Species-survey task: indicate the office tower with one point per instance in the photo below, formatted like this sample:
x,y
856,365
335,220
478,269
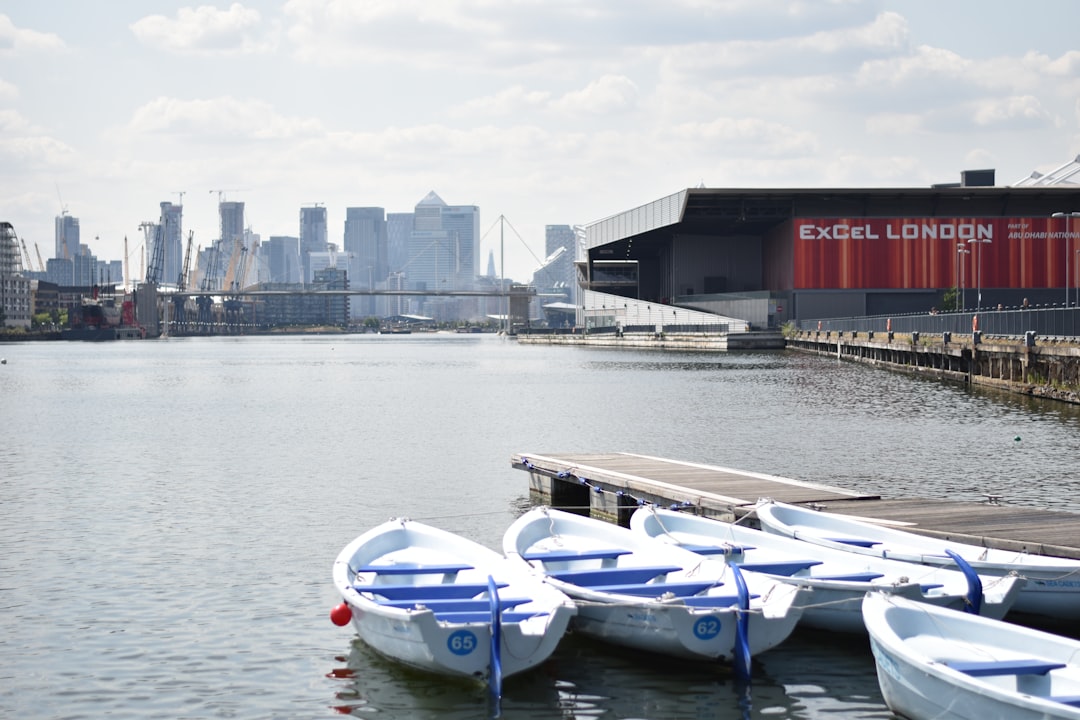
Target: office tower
x,y
558,272
313,237
172,234
282,255
232,223
365,243
399,227
443,246
67,236
557,236
365,250
462,226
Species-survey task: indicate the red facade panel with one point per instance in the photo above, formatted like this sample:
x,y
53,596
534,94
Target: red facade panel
x,y
922,253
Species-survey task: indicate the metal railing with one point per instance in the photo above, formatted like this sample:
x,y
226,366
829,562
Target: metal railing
x,y
1048,321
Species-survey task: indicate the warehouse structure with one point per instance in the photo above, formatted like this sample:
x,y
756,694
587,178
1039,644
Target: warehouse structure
x,y
768,256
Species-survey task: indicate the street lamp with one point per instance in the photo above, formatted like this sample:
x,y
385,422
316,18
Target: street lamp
x,y
978,269
961,251
1068,222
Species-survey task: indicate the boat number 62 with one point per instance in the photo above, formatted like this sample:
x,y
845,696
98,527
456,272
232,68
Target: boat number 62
x,y
707,627
461,642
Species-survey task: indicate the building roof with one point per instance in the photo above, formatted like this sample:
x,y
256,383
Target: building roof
x,y
1059,176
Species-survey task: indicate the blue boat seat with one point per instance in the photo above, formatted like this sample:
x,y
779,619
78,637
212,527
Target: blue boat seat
x,y
613,575
850,577
455,604
1021,666
856,541
718,601
930,586
1065,699
418,593
718,549
782,567
678,589
567,555
413,569
482,616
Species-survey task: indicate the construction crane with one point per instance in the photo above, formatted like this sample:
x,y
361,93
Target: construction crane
x,y
26,256
234,261
127,266
155,244
37,251
181,194
221,194
182,281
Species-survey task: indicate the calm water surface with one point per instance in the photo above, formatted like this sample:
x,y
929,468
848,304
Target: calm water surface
x,y
170,510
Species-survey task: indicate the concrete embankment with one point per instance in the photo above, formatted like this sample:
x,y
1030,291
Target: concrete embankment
x,y
1049,369
756,340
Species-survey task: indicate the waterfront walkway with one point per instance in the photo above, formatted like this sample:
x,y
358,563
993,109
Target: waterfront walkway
x,y
611,485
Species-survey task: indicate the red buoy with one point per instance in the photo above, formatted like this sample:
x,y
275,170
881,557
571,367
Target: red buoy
x,y
341,615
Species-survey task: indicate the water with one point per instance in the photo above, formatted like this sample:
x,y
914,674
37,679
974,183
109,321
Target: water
x,y
169,510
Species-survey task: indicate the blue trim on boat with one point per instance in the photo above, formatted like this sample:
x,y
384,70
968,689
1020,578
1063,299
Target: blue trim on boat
x,y
678,589
441,591
1018,666
567,555
613,575
413,569
783,567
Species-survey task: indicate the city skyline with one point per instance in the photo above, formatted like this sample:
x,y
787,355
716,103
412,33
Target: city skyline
x,y
543,113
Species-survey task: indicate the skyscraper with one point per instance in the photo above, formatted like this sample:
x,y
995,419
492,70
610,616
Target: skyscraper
x,y
443,246
67,236
365,243
282,255
365,248
232,222
172,234
313,237
399,227
462,225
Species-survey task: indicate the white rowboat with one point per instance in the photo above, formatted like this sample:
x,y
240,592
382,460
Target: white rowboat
x,y
633,591
440,602
941,664
1052,585
838,580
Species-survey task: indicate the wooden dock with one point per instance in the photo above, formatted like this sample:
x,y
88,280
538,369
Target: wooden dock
x,y
612,485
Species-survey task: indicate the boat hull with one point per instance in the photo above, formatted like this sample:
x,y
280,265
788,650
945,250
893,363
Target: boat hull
x,y
832,602
399,557
910,654
678,631
1051,587
701,624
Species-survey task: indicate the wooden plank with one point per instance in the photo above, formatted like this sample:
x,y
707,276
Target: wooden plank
x,y
1011,527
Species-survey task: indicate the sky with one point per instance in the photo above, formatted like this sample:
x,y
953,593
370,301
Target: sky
x,y
541,112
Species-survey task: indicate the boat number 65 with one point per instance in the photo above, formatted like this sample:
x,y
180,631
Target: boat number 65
x,y
707,628
461,642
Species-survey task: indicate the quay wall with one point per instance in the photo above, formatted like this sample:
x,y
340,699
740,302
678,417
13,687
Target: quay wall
x,y
1031,366
754,340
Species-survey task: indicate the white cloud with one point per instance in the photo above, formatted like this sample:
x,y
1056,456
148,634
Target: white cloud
x,y
1016,112
220,119
927,64
893,124
18,41
607,95
24,147
747,136
504,103
205,30
8,92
